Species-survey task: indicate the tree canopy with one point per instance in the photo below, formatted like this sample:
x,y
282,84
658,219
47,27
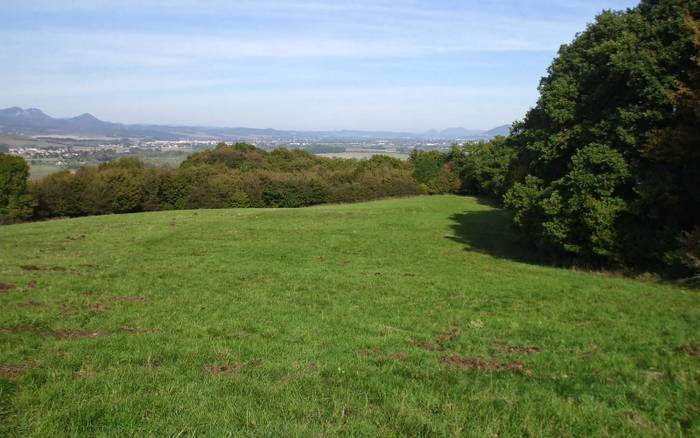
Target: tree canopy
x,y
608,158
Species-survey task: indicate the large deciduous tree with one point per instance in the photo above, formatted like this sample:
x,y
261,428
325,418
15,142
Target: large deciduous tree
x,y
609,158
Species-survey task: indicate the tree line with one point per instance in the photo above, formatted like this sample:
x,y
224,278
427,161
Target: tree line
x,y
229,176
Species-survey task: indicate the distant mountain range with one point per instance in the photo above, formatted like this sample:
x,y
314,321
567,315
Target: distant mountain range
x,y
32,121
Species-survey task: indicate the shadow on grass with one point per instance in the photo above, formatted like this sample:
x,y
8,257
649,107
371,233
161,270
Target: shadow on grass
x,y
489,232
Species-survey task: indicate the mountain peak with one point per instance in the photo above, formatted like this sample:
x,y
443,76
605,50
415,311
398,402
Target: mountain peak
x,y
29,113
86,117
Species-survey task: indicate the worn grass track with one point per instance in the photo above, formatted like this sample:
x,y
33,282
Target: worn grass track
x,y
402,317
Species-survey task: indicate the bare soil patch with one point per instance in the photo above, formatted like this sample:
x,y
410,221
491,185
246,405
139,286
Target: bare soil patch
x,y
133,330
430,346
691,350
32,304
4,287
637,419
97,307
151,363
376,351
18,329
43,268
517,349
129,299
58,334
73,334
14,371
398,357
231,368
31,284
449,335
70,309
456,361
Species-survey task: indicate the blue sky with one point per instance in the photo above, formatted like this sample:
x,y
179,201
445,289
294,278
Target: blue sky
x,y
297,64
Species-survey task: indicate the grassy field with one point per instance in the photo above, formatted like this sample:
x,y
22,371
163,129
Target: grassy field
x,y
413,317
364,155
39,168
14,141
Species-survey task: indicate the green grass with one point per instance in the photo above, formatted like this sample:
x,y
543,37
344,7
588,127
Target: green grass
x,y
28,142
362,155
39,168
402,317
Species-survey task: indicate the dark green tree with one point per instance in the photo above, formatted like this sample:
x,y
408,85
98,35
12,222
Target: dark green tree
x,y
15,203
484,168
608,163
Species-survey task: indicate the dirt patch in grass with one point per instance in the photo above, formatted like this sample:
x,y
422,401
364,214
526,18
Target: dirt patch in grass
x,y
32,305
4,287
18,329
151,363
398,357
66,334
133,330
97,307
73,334
449,335
376,351
231,368
14,371
691,350
43,268
129,299
70,309
31,284
429,346
516,349
456,361
637,419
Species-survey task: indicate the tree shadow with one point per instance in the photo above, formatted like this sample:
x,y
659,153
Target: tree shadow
x,y
489,232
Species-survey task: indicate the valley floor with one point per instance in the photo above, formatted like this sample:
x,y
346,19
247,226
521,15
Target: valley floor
x,y
416,316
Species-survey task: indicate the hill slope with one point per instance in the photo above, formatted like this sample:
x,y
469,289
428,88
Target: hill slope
x,y
33,121
409,316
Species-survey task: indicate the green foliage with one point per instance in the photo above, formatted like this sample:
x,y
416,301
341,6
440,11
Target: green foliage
x,y
15,203
434,172
608,164
339,320
239,175
686,259
484,168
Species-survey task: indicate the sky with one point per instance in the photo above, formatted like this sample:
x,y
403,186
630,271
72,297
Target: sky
x,y
404,65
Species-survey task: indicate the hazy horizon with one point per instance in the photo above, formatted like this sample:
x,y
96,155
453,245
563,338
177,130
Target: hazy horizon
x,y
305,65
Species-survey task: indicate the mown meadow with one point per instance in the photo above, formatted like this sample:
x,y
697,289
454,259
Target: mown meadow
x,y
414,316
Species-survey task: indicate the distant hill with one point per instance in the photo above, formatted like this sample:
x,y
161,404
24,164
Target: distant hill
x,y
16,120
33,121
500,130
